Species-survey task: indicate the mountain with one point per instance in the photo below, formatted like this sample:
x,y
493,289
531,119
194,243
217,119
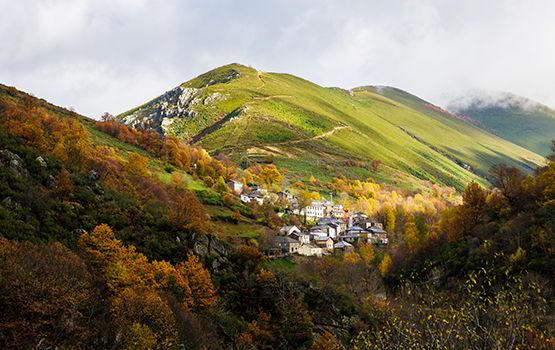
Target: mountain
x,y
517,119
103,244
313,130
127,174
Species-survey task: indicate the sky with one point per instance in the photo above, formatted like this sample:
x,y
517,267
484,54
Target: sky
x,y
111,55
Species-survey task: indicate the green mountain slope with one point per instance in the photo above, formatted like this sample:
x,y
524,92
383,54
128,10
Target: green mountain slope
x,y
312,130
517,119
113,204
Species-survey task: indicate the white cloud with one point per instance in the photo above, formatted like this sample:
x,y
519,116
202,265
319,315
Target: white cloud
x,y
101,55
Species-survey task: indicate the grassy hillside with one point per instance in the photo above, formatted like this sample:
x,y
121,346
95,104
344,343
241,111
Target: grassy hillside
x,y
517,119
121,186
312,130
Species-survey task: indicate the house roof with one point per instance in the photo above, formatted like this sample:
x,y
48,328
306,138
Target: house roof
x,y
375,229
285,239
356,228
326,221
312,246
342,244
318,233
349,235
321,238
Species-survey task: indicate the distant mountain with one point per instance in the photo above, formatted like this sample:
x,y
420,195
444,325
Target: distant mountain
x,y
517,119
313,130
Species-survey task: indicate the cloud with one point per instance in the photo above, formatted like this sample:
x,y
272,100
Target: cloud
x,y
100,55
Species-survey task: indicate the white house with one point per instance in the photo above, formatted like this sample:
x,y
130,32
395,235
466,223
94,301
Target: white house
x,y
310,250
314,211
329,229
235,186
301,237
326,243
288,230
252,197
245,198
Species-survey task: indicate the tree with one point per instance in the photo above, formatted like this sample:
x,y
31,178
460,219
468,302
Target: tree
x,y
389,218
366,252
510,181
326,341
137,164
385,264
202,289
106,117
46,293
410,235
270,175
64,185
186,212
220,186
247,178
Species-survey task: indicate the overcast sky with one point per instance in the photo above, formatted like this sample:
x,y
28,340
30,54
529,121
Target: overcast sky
x,y
97,55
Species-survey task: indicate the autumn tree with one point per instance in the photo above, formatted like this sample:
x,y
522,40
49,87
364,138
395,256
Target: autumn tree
x,y
46,292
385,264
270,176
389,218
366,252
137,164
202,290
187,213
326,341
410,235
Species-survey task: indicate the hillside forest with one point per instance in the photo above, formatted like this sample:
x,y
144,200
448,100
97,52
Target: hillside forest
x,y
117,238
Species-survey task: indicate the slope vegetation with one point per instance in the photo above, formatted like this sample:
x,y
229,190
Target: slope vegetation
x,y
517,119
312,130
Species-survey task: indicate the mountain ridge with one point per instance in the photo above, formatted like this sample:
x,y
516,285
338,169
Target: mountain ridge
x,y
271,110
518,119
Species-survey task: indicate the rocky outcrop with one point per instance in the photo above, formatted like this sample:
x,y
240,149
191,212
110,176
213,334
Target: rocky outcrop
x,y
13,163
160,114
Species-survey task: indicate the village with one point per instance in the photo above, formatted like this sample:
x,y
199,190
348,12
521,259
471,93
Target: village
x,y
329,228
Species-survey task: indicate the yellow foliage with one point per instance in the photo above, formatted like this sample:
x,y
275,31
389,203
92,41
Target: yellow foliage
x,y
385,264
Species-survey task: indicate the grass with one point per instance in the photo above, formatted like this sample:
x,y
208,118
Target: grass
x,y
286,116
532,127
277,265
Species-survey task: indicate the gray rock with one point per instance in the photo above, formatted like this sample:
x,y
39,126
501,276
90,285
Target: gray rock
x,y
93,175
41,162
13,162
51,181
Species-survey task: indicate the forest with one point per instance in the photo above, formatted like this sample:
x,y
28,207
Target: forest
x,y
97,252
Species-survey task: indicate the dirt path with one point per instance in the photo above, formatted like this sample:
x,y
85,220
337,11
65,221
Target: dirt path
x,y
262,83
317,137
266,98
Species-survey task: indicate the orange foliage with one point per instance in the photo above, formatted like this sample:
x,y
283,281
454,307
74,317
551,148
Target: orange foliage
x,y
187,212
45,290
202,291
64,138
193,160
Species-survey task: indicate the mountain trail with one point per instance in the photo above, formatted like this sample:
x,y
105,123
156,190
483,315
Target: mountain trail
x,y
317,137
266,98
262,83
